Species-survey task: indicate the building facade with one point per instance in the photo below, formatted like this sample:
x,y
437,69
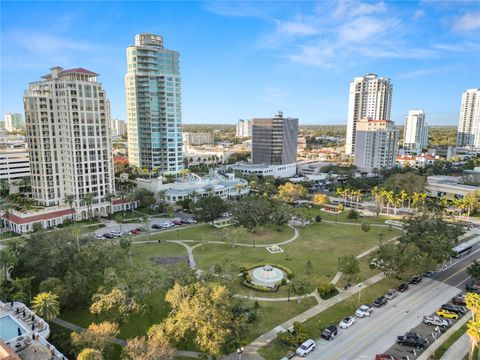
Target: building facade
x,y
244,128
415,135
376,145
153,92
370,98
68,134
14,122
119,127
274,140
14,164
468,134
197,138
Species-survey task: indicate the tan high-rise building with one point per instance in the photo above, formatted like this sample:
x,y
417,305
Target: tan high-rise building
x,y
376,145
468,133
370,98
68,134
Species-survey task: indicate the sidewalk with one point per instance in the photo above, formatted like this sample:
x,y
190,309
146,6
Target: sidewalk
x,y
250,351
459,349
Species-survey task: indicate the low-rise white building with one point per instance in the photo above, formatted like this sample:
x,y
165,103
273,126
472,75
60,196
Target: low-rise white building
x,y
261,170
450,186
195,187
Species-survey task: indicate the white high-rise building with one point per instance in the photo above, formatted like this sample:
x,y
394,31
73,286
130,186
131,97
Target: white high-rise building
x,y
14,122
244,128
154,104
415,134
468,134
370,98
119,127
376,145
68,134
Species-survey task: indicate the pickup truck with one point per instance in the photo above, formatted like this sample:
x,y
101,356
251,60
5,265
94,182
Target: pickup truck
x,y
437,321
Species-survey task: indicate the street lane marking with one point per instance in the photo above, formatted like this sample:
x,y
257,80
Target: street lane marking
x,y
394,313
460,283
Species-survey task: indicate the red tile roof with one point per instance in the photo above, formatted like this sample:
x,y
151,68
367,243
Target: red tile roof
x,y
120,201
40,217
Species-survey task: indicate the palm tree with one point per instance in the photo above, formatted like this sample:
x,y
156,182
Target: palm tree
x,y
109,197
403,196
8,258
46,305
473,326
76,234
88,199
239,188
70,200
146,222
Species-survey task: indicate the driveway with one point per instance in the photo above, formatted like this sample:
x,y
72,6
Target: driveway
x,y
376,334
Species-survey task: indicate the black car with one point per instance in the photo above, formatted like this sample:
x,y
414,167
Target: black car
x,y
415,279
457,309
382,300
403,287
412,339
108,236
330,332
459,300
156,226
473,286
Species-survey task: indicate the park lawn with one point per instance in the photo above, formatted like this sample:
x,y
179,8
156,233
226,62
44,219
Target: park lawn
x,y
127,215
342,217
321,243
142,254
365,273
333,315
264,235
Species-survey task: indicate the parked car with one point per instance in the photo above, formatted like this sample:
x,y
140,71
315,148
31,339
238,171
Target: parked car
x,y
177,222
413,340
134,232
403,287
391,294
459,300
381,301
415,280
99,237
364,311
330,332
108,236
306,347
156,226
437,321
473,286
385,357
457,309
347,322
428,273
446,314
116,233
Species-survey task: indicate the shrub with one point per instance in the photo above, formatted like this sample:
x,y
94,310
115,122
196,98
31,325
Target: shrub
x,y
259,288
352,214
326,291
318,218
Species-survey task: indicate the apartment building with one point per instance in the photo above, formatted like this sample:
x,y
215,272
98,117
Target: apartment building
x,y
69,138
244,128
153,92
468,134
415,134
370,98
197,139
376,145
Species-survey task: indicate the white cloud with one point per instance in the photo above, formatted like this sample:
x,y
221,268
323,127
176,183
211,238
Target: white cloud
x,y
418,14
351,8
294,28
275,95
467,22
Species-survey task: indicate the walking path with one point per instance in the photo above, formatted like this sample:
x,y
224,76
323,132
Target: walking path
x,y
458,349
121,342
250,350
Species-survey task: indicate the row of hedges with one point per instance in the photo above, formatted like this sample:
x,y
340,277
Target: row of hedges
x,y
287,271
259,288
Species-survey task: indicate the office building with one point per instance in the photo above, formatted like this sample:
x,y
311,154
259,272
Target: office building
x,y
119,127
370,98
376,145
244,128
468,134
153,92
197,138
14,122
68,134
274,140
415,135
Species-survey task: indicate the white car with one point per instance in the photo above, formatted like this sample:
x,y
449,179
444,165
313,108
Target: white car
x,y
347,322
99,237
117,233
307,347
437,321
364,311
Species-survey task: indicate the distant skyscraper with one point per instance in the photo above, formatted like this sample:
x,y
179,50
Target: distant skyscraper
x,y
68,134
14,122
153,93
244,128
415,135
468,134
376,145
119,127
274,140
370,98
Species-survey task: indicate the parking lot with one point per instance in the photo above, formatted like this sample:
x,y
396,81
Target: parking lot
x,y
375,335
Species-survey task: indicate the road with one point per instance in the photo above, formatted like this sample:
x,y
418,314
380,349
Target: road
x,y
376,334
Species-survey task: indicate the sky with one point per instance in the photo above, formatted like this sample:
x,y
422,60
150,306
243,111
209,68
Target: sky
x,y
252,59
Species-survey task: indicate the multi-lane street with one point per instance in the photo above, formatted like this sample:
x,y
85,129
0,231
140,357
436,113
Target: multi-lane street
x,y
378,333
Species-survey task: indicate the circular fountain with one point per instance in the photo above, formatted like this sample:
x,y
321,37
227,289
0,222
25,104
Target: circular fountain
x,y
267,276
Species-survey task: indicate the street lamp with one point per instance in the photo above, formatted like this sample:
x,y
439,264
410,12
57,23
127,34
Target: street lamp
x,y
239,352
